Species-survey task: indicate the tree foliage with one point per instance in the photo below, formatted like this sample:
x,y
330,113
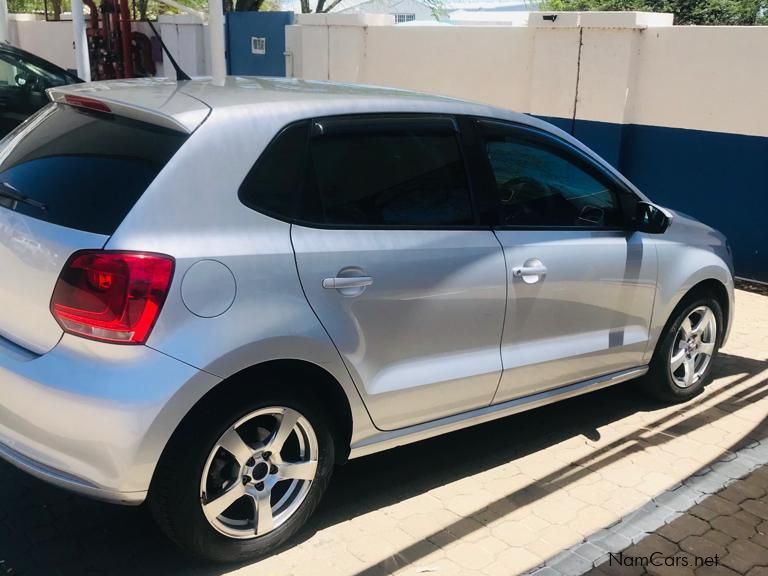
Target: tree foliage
x,y
702,12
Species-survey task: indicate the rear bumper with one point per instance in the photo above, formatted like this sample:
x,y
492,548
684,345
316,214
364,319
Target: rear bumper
x,y
92,417
68,482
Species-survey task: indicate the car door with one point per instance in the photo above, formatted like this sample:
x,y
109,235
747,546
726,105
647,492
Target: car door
x,y
581,286
391,257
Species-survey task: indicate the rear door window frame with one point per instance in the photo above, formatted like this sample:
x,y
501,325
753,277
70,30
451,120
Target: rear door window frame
x,y
481,218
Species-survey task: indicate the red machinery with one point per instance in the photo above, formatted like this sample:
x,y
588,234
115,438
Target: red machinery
x,y
110,39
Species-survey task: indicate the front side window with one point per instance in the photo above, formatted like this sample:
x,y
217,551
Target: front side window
x,y
540,186
388,172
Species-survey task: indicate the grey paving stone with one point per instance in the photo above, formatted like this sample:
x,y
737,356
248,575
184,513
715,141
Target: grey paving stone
x,y
678,500
709,483
610,540
546,571
589,551
572,565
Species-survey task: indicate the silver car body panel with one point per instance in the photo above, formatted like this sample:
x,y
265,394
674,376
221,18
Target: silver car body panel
x,y
586,317
101,428
411,434
422,341
34,253
93,416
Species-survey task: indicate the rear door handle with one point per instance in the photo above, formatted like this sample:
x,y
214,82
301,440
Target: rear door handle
x,y
519,271
531,271
340,283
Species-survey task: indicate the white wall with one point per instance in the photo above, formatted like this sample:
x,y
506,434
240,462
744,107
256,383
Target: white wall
x,y
50,40
633,68
185,36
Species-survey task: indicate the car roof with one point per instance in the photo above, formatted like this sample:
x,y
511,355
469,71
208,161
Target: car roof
x,y
186,104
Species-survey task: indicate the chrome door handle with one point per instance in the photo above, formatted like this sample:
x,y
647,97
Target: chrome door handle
x,y
340,283
531,271
520,271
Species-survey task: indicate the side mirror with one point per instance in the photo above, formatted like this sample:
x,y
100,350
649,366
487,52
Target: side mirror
x,y
651,219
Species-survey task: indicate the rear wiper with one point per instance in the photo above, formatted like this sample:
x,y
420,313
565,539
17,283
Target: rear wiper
x,y
11,193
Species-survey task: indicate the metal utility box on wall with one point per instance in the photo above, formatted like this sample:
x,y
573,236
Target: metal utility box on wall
x,y
256,43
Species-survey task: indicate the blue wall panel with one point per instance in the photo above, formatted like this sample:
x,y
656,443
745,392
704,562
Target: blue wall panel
x,y
719,178
242,27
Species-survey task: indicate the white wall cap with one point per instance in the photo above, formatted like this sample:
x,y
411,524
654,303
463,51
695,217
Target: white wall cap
x,y
599,19
27,17
178,19
360,19
311,19
554,19
625,19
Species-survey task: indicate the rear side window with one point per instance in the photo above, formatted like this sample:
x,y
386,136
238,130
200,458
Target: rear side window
x,y
273,185
82,169
389,172
363,171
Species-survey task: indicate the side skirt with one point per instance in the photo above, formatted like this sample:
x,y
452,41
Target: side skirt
x,y
394,438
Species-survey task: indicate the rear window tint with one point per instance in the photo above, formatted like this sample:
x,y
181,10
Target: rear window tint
x,y
87,169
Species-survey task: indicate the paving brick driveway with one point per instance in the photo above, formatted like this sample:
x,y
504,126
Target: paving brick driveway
x,y
500,498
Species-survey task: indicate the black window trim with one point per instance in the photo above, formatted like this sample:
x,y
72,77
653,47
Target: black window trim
x,y
481,220
624,196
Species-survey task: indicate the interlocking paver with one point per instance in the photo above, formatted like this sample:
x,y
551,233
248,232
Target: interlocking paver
x,y
733,526
538,486
718,537
721,506
744,555
757,507
686,525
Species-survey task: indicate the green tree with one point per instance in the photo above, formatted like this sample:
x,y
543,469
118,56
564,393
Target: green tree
x,y
702,12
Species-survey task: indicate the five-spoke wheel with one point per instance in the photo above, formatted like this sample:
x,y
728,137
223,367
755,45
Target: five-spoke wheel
x,y
259,472
682,361
243,474
693,347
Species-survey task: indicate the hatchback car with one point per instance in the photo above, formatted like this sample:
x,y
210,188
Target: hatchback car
x,y
212,295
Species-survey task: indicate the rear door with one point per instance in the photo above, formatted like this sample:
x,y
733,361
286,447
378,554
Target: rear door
x,y
581,286
67,179
391,257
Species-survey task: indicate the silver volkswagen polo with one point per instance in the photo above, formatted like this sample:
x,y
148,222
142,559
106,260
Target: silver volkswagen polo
x,y
212,295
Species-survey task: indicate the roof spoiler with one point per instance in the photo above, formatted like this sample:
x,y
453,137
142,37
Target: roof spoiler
x,y
184,114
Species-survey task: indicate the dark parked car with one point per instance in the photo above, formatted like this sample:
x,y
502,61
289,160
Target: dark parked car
x,y
24,78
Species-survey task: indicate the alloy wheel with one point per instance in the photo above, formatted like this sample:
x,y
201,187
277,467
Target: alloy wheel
x,y
693,347
259,472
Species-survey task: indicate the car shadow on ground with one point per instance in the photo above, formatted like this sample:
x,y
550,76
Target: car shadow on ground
x,y
44,530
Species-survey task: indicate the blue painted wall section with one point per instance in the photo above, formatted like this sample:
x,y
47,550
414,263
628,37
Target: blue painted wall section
x,y
241,27
720,179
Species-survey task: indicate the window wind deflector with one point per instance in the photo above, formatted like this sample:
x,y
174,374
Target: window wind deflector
x,y
382,125
8,192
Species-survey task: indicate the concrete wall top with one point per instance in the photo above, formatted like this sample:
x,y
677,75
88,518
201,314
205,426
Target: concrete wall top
x,y
360,20
178,19
531,19
26,17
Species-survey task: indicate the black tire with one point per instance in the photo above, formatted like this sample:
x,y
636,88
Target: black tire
x,y
659,381
175,500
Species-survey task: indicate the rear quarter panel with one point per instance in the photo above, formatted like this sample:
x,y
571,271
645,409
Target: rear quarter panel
x,y
192,212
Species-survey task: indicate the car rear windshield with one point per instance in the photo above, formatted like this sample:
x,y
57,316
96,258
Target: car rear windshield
x,y
83,169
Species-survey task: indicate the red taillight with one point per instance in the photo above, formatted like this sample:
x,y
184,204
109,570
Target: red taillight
x,y
112,296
